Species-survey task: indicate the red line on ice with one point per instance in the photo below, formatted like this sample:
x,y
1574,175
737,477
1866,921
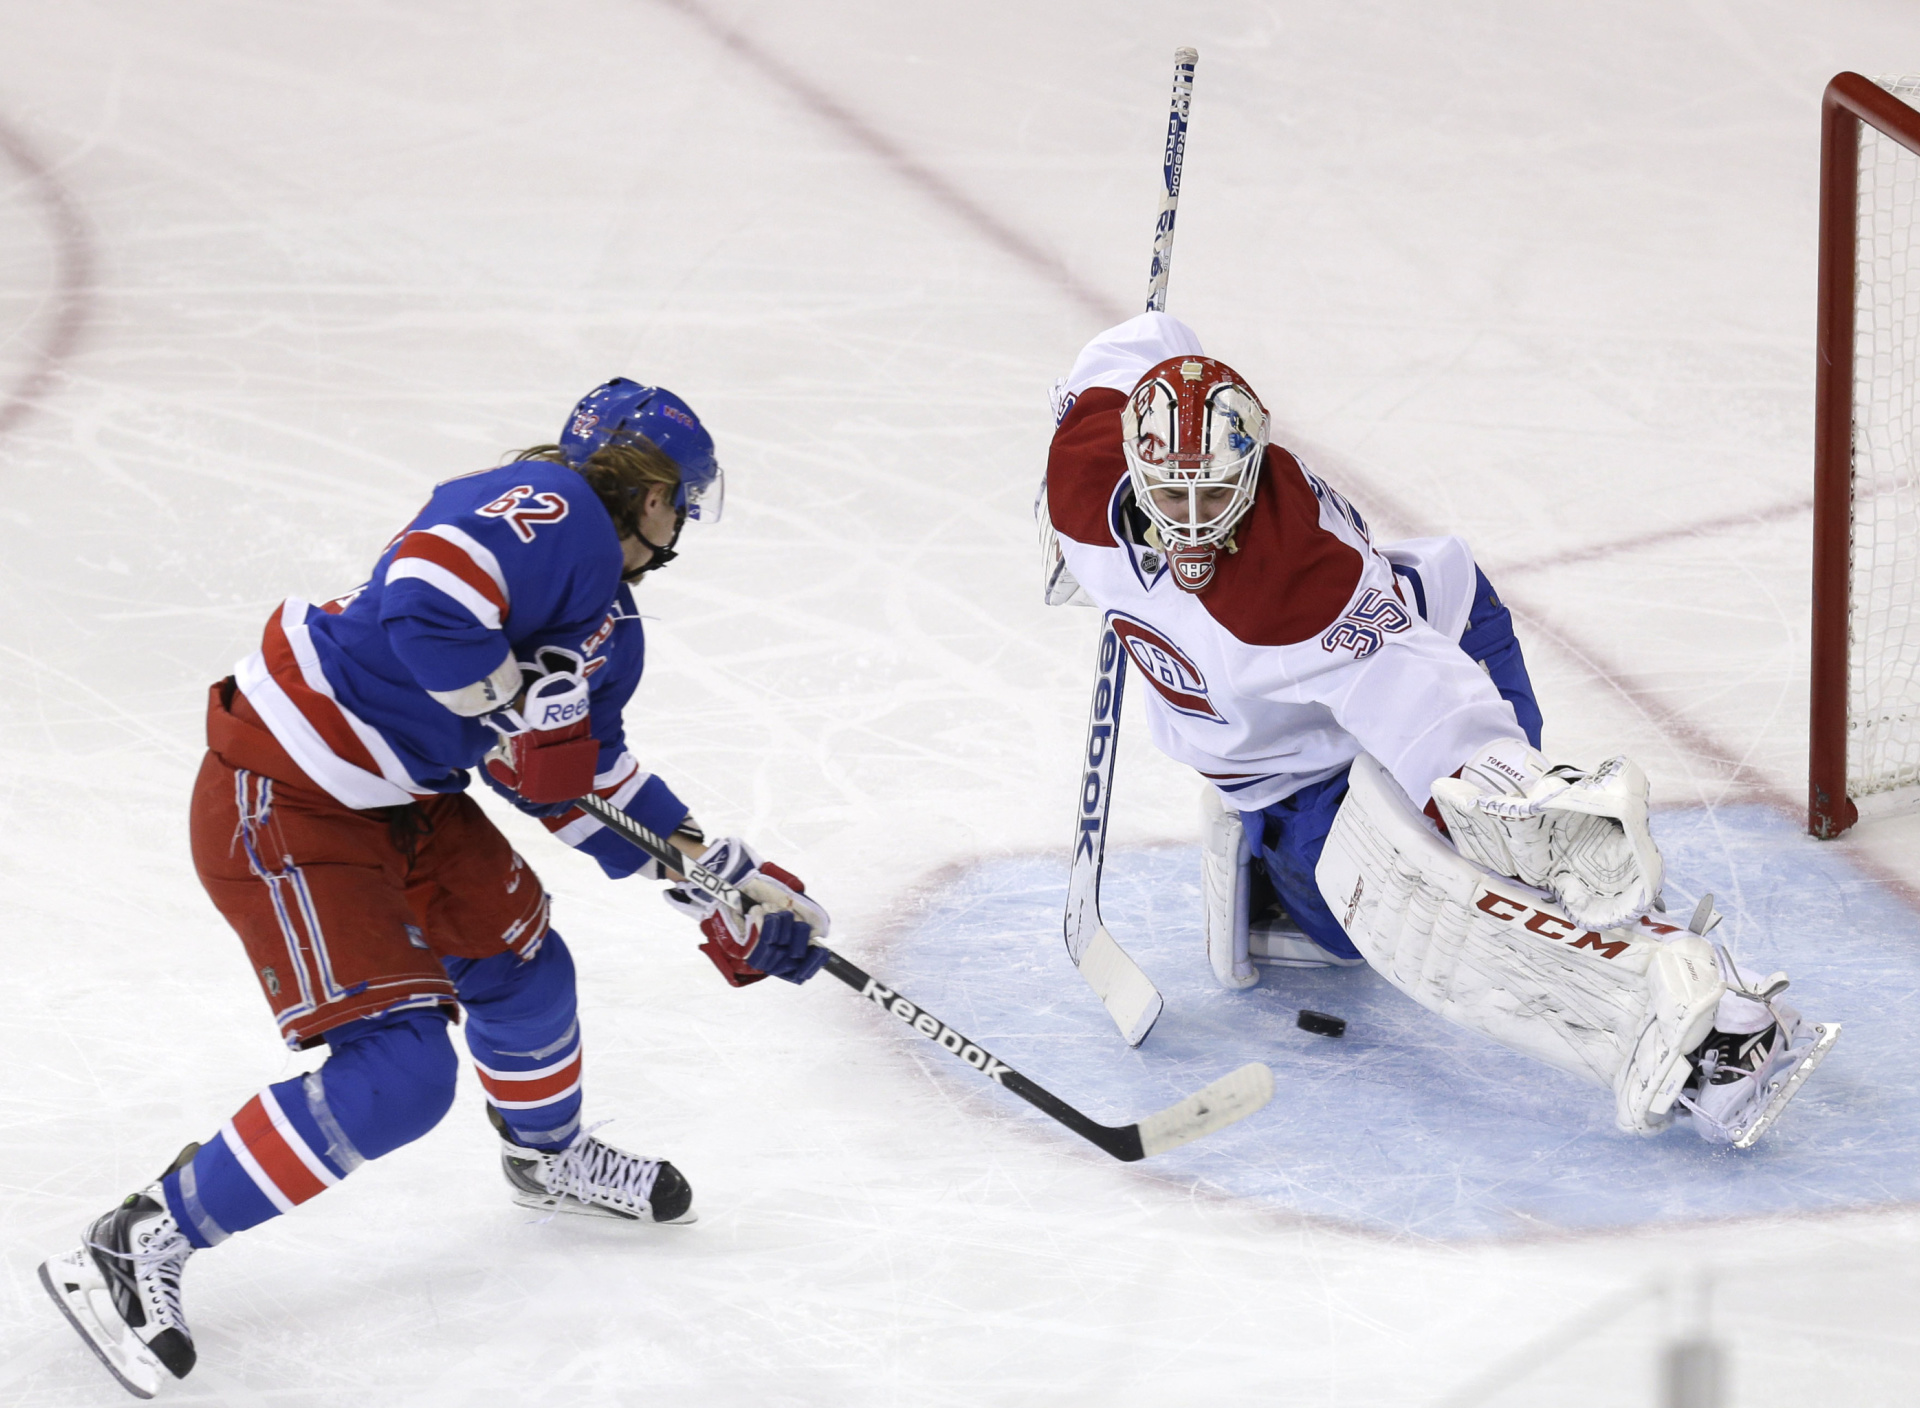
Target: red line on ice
x,y
73,278
903,164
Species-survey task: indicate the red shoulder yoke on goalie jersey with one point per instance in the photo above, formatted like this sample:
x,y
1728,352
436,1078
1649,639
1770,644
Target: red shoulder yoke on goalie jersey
x,y
1289,578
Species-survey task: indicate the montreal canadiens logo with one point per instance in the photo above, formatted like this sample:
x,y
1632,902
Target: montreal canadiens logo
x,y
1167,668
1193,567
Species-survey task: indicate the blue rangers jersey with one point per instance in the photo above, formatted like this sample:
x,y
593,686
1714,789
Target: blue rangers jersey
x,y
504,560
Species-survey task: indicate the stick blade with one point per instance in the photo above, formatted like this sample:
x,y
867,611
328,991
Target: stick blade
x,y
1128,994
1231,1098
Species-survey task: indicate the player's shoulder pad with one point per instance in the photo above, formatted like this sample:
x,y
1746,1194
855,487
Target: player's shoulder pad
x,y
1441,574
1083,466
524,503
1291,577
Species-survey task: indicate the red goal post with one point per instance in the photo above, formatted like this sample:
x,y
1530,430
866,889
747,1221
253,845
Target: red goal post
x,y
1865,735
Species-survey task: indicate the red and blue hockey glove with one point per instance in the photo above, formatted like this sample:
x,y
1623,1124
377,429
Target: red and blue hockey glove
x,y
775,936
774,943
546,753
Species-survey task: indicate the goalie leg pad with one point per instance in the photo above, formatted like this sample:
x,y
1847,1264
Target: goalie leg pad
x,y
1226,882
1502,959
1684,992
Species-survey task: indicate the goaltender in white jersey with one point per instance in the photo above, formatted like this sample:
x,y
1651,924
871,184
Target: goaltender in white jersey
x,y
1364,716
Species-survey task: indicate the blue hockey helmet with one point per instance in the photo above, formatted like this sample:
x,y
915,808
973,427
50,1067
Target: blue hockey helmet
x,y
622,411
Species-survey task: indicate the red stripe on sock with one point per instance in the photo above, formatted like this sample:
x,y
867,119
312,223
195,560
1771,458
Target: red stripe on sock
x,y
538,1087
272,1153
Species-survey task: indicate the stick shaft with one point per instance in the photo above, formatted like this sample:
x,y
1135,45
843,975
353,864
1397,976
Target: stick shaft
x,y
1082,916
1123,1142
1172,159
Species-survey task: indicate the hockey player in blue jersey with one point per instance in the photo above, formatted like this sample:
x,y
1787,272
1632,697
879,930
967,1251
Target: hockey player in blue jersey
x,y
332,828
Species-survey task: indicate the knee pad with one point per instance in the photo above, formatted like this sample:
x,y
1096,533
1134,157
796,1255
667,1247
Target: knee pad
x,y
503,994
389,1080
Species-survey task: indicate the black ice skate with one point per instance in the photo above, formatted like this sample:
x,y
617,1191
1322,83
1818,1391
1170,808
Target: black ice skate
x,y
593,1178
121,1290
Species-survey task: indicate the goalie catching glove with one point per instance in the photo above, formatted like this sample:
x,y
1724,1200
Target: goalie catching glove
x,y
1582,837
546,753
774,938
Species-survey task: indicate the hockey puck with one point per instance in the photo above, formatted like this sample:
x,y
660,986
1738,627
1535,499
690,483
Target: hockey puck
x,y
1320,1023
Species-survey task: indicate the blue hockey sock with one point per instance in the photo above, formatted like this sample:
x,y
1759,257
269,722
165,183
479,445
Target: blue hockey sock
x,y
388,1081
524,1033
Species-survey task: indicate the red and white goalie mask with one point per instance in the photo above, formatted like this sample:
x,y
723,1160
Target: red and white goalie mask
x,y
1194,435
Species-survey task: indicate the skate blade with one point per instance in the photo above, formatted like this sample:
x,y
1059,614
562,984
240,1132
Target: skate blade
x,y
551,1205
1278,947
1814,1055
125,1357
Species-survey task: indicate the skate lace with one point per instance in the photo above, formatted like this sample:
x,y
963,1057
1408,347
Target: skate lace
x,y
596,1172
157,1268
1758,1057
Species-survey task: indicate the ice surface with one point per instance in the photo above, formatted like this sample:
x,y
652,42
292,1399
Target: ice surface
x,y
1407,1123
1537,274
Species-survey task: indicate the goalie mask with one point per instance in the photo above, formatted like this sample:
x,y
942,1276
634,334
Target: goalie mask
x,y
1194,435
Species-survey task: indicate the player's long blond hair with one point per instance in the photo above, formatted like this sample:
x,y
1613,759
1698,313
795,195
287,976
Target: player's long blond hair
x,y
619,475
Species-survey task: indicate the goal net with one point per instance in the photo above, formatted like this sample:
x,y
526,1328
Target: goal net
x,y
1866,681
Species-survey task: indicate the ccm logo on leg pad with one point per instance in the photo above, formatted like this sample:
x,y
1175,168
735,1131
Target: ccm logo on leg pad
x,y
1546,923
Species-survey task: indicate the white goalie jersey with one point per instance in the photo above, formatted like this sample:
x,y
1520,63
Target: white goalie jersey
x,y
1307,649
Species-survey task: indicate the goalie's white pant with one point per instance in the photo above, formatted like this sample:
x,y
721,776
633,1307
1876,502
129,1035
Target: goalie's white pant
x,y
1623,1008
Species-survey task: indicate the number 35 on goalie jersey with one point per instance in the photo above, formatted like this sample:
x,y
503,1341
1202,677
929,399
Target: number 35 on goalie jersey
x,y
1367,625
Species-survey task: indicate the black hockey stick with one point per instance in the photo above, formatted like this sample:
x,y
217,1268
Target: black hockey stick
x,y
1232,1097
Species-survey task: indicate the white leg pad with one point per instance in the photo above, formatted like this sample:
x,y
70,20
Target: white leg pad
x,y
1621,1008
1225,860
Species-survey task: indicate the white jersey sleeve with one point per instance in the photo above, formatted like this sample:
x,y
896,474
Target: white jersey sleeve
x,y
1120,356
1440,575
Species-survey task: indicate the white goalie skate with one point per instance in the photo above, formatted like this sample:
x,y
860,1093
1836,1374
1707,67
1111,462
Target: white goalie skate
x,y
1755,1060
595,1179
121,1290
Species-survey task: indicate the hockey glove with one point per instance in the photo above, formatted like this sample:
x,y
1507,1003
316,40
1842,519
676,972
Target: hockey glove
x,y
1584,838
546,753
774,938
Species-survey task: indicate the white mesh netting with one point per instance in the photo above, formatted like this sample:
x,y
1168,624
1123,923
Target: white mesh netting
x,y
1883,653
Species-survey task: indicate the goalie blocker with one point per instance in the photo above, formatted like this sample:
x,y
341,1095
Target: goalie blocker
x,y
1652,1011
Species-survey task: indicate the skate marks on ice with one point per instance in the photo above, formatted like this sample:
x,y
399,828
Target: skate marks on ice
x,y
1408,1125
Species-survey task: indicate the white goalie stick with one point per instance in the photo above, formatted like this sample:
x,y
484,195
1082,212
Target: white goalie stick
x,y
1124,990
1128,994
1175,156
1233,1097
